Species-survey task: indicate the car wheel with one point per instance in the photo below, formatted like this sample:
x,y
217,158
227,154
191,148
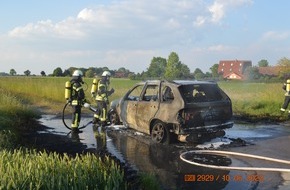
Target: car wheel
x,y
160,133
114,118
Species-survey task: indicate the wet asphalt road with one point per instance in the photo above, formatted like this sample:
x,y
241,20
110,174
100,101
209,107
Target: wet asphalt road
x,y
163,161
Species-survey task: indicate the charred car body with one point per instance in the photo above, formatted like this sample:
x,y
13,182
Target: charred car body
x,y
185,110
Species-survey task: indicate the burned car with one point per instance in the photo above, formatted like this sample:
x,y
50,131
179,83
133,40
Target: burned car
x,y
186,110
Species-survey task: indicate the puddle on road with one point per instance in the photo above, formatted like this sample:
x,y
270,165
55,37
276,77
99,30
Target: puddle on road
x,y
250,131
163,161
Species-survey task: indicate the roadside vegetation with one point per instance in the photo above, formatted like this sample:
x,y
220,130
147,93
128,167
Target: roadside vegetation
x,y
28,169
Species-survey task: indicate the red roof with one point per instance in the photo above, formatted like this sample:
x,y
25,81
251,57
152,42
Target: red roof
x,y
271,71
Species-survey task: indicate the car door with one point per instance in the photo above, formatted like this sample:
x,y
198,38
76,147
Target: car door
x,y
129,106
147,107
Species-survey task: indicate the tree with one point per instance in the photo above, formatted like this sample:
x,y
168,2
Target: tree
x,y
71,71
125,72
284,63
12,72
208,75
185,72
57,72
105,69
66,73
263,63
252,73
3,74
173,68
90,73
27,72
98,71
214,70
157,67
42,73
198,74
122,69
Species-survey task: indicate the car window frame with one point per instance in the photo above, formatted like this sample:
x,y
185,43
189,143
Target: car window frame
x,y
136,97
152,97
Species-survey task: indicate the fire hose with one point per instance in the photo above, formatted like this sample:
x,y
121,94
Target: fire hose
x,y
213,152
86,105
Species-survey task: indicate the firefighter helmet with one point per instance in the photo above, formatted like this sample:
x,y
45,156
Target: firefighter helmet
x,y
77,73
106,74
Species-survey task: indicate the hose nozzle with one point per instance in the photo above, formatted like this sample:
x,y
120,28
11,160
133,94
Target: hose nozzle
x,y
86,105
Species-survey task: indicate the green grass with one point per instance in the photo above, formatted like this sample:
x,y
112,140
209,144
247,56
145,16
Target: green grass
x,y
149,182
48,92
256,100
14,110
28,169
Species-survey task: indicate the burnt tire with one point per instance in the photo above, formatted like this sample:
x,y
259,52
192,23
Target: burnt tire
x,y
114,117
160,133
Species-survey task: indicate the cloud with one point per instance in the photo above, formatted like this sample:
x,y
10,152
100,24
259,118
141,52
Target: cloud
x,y
66,29
119,24
221,48
132,20
86,14
119,33
200,20
216,11
276,35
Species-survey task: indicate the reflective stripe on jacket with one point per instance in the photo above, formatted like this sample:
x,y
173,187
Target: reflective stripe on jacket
x,y
102,91
78,94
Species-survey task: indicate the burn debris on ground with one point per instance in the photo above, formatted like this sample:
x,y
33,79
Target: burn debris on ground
x,y
238,142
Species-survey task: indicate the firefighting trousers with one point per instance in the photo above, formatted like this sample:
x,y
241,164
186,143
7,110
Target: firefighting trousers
x,y
102,111
286,102
76,116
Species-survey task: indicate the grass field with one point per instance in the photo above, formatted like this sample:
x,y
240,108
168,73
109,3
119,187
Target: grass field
x,y
256,100
48,92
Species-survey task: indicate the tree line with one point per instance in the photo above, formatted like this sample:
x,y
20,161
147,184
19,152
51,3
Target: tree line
x,y
170,68
159,68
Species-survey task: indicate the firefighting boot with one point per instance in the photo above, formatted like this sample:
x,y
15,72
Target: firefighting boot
x,y
96,119
75,128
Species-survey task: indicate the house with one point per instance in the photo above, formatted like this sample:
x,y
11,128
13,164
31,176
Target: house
x,y
233,69
120,74
270,71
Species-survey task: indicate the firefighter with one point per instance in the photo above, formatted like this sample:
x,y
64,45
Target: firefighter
x,y
286,87
77,99
102,98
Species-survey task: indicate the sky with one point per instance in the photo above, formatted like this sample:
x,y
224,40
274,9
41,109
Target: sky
x,y
43,35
